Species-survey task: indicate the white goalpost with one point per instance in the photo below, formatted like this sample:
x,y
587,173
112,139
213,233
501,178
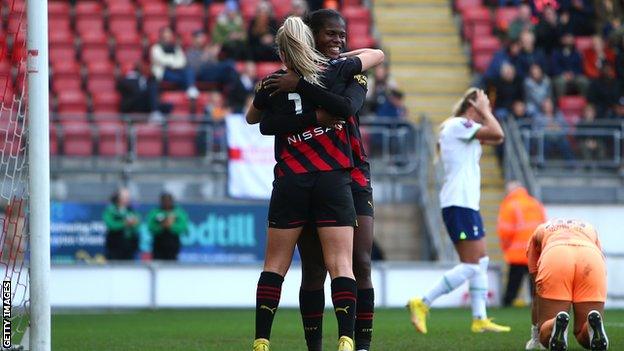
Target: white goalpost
x,y
39,179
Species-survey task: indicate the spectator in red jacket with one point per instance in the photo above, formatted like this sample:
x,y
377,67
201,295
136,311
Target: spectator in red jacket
x,y
596,57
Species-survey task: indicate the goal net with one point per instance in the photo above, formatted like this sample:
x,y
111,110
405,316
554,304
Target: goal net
x,y
14,194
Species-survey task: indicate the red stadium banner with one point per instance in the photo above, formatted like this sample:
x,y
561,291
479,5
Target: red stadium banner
x,y
251,161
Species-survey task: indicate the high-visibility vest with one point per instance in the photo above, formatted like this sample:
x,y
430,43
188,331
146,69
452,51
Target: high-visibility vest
x,y
518,217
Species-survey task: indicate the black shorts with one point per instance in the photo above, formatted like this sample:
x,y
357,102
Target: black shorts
x,y
321,198
363,201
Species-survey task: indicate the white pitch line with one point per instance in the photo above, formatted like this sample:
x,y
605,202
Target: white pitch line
x,y
613,324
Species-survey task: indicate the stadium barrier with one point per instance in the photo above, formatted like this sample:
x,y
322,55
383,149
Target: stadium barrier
x,y
166,285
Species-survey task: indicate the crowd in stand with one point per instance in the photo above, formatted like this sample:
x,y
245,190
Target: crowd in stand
x,y
561,66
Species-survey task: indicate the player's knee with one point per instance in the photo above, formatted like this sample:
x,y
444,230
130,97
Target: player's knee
x,y
340,268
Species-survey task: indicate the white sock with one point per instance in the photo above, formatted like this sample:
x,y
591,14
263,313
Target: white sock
x,y
450,281
479,290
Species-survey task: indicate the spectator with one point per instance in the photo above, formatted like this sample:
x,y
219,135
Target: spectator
x,y
537,88
507,89
169,63
394,106
261,34
139,91
596,57
229,32
592,147
555,129
604,92
299,8
547,31
521,23
580,14
618,110
529,54
608,16
619,63
378,85
567,68
243,87
518,217
166,224
519,111
122,227
217,109
204,61
510,54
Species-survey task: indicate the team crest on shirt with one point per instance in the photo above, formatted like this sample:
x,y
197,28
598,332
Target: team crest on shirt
x,y
467,123
362,80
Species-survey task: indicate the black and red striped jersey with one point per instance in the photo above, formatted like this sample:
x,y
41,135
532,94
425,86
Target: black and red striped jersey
x,y
360,174
312,150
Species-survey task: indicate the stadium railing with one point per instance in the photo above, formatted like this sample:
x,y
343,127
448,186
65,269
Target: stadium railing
x,y
516,164
607,135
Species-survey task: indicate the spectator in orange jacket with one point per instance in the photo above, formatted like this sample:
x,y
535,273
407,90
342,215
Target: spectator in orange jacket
x,y
518,216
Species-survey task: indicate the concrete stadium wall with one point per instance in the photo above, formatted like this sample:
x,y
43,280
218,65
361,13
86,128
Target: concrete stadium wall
x,y
205,286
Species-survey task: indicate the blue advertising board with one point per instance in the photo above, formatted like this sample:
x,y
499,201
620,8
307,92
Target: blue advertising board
x,y
217,232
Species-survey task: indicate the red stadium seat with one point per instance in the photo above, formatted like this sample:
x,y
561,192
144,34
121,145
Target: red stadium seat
x,y
100,68
12,138
154,9
112,138
203,100
60,38
65,68
214,10
359,42
504,16
95,38
101,84
481,61
128,39
77,139
88,9
462,5
123,25
481,30
149,140
5,68
121,9
94,53
193,10
350,3
58,9
89,25
152,25
572,107
485,45
16,23
72,102
181,139
61,53
357,15
356,29
6,88
583,43
128,54
473,17
282,8
66,83
59,24
263,69
105,101
187,25
179,100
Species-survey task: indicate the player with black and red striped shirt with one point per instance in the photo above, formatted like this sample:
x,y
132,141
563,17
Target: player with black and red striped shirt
x,y
312,175
345,97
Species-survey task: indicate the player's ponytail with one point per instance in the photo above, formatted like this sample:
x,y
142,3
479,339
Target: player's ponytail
x,y
463,104
295,42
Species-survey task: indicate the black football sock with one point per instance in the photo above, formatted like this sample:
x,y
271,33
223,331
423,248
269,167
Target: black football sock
x,y
344,292
311,305
364,318
267,299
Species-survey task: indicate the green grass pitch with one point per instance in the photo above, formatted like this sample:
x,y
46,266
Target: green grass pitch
x,y
232,329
